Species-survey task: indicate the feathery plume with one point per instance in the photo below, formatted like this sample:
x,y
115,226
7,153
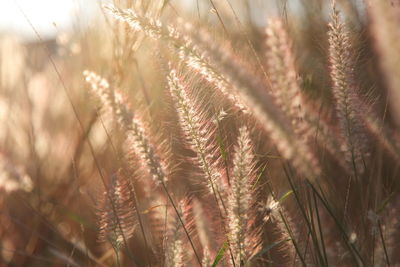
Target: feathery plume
x,y
348,103
285,87
240,199
112,101
150,26
117,212
132,125
283,80
202,66
197,134
194,129
146,152
282,73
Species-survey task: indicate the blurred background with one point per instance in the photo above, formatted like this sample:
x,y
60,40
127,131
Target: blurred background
x,y
50,18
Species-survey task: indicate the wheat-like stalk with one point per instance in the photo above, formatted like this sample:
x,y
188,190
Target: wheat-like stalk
x,y
196,132
201,65
146,153
348,104
198,135
132,125
117,212
282,73
111,100
240,199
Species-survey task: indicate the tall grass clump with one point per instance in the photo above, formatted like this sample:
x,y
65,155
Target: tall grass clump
x,y
223,133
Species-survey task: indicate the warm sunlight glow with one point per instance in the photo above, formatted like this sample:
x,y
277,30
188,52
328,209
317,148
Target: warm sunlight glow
x,y
47,16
